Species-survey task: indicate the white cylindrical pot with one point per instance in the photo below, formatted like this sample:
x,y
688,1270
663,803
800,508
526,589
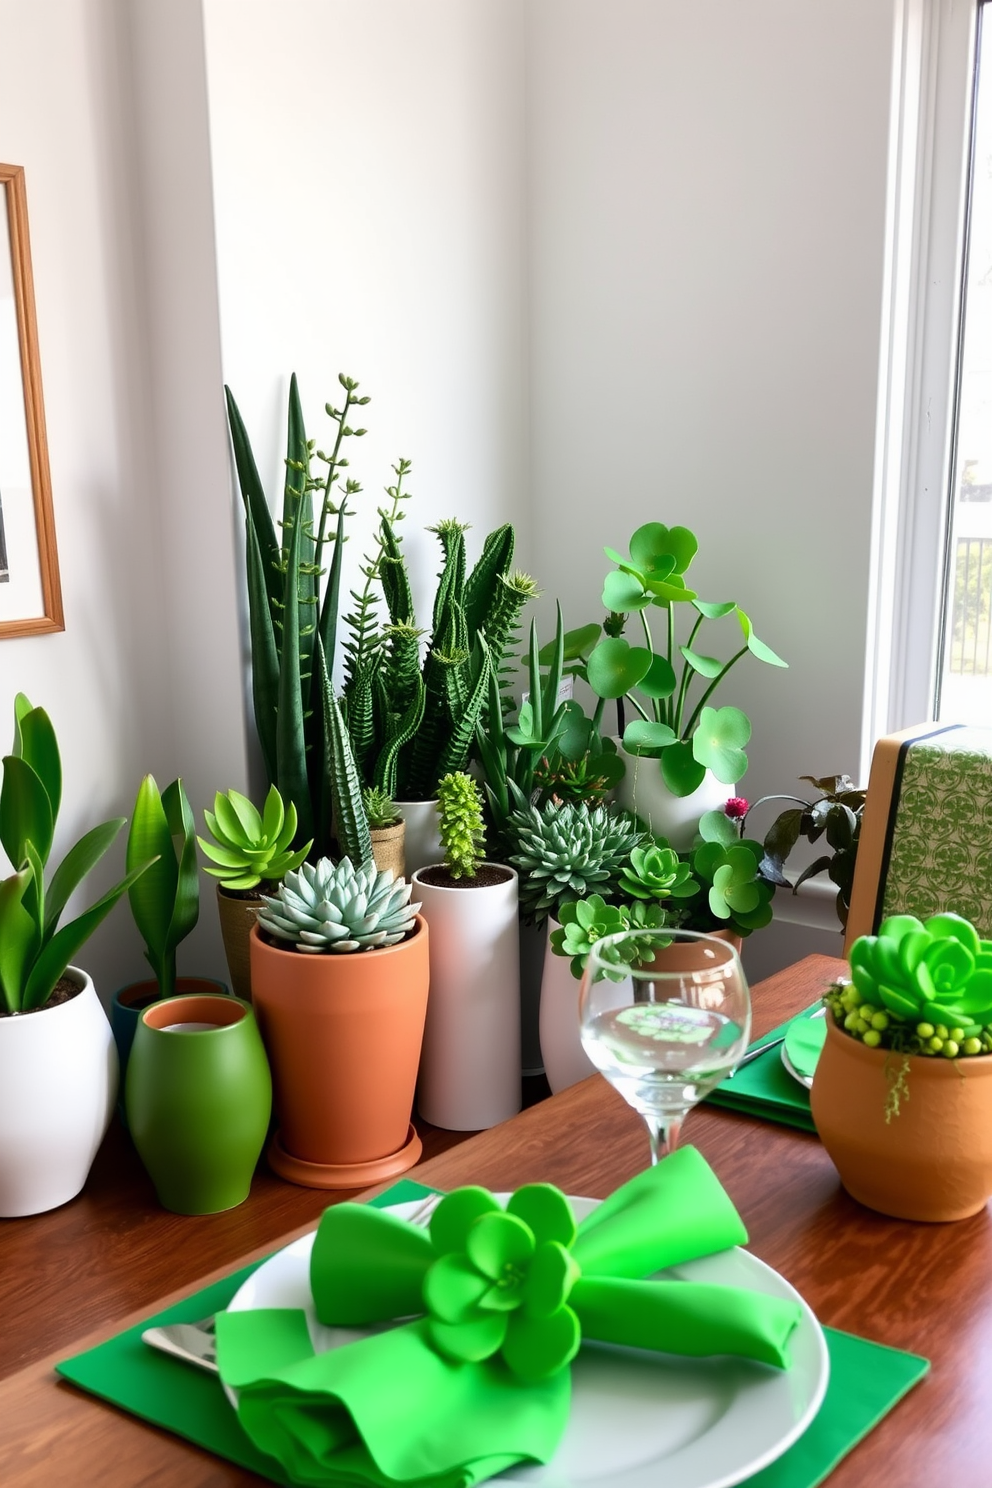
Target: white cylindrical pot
x,y
565,1060
470,1064
422,845
676,818
58,1085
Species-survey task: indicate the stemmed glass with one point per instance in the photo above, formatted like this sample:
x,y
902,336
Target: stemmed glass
x,y
665,1027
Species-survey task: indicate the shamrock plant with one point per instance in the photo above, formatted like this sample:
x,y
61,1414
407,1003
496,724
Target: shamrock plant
x,y
502,1280
731,892
669,686
586,921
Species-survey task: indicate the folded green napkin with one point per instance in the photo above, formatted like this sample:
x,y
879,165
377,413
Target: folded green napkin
x,y
866,1381
764,1086
481,1381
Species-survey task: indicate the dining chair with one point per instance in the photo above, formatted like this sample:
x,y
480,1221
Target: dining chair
x,y
926,833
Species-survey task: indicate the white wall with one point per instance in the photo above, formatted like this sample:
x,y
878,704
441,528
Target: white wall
x,y
367,168
145,675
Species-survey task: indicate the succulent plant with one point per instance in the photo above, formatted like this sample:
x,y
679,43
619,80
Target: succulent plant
x,y
327,906
463,836
380,808
250,848
655,872
566,852
585,921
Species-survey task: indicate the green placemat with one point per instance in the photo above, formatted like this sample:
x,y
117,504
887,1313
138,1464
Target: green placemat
x,y
765,1088
866,1381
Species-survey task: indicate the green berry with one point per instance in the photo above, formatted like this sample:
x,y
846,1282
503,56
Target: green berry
x,y
950,1049
880,1022
936,1043
873,1038
852,998
850,1021
941,1031
973,1046
925,1030
957,1034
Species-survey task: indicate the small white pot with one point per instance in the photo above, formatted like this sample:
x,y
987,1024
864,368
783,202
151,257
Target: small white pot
x,y
676,818
58,1085
470,1064
422,845
565,1060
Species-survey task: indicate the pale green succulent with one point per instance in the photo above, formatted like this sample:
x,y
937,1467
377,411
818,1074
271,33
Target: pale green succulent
x,y
251,848
567,851
329,906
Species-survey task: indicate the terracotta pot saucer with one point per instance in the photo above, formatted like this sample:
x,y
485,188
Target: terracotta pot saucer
x,y
343,1175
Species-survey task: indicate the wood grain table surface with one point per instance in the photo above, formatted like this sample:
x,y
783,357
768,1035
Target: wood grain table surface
x,y
111,1257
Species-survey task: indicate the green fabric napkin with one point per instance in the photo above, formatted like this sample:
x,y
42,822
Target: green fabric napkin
x,y
482,1381
765,1088
804,1043
866,1381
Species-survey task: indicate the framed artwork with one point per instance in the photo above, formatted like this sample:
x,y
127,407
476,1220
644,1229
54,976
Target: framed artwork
x,y
30,591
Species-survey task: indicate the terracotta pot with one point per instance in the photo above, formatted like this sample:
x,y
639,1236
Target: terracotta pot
x,y
686,957
388,848
343,1034
237,915
931,1162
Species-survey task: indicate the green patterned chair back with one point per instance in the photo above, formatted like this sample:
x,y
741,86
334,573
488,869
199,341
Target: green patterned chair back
x,y
926,835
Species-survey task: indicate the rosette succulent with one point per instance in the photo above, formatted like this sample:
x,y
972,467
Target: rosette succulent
x,y
937,971
565,852
249,847
502,1280
655,872
586,921
329,906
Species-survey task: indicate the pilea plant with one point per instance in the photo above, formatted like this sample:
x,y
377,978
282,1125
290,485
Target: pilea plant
x,y
668,686
34,948
460,824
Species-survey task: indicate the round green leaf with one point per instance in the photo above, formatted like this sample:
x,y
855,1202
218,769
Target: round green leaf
x,y
615,666
713,611
623,592
659,680
718,741
654,541
680,770
642,736
706,666
954,927
545,1210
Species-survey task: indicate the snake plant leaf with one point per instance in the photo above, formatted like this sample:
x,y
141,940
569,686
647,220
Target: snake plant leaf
x,y
39,748
257,514
714,611
654,541
354,838
706,666
19,939
718,742
153,895
642,736
680,769
34,894
60,950
615,666
758,648
25,811
659,680
403,730
454,755
78,861
291,765
483,584
264,651
624,591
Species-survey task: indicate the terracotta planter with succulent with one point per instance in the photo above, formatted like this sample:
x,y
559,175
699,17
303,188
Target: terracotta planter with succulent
x,y
470,1067
902,1094
339,965
250,853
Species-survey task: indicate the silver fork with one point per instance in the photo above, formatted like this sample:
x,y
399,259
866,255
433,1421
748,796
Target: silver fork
x,y
195,1343
770,1043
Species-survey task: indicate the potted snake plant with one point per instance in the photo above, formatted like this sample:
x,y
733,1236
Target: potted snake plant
x,y
470,1068
58,1064
339,973
250,853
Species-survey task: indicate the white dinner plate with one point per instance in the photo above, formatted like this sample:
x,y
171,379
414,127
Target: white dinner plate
x,y
806,1080
638,1419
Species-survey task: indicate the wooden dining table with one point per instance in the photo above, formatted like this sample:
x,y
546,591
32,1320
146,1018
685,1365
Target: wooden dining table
x,y
111,1257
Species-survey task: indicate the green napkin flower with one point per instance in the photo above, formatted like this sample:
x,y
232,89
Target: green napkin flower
x,y
502,1280
936,970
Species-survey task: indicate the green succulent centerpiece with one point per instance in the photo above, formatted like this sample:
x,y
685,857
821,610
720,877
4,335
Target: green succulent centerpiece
x,y
669,686
335,907
248,847
566,851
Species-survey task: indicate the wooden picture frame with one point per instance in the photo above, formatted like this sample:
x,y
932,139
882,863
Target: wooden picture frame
x,y
30,589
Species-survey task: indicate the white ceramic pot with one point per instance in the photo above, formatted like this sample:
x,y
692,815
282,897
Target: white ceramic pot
x,y
422,845
58,1085
643,790
565,1060
470,1064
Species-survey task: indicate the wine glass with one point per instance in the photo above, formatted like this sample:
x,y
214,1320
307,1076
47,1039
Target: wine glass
x,y
665,1026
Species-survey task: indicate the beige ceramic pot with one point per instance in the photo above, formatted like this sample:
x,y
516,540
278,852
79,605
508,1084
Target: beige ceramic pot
x,y
237,915
931,1162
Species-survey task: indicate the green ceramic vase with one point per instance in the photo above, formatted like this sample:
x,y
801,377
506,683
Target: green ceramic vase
x,y
199,1096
